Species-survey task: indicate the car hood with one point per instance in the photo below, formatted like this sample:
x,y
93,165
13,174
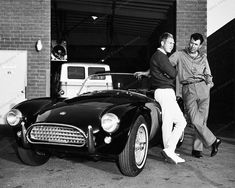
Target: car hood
x,y
86,109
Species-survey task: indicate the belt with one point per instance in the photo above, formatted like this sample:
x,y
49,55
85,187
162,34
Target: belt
x,y
194,82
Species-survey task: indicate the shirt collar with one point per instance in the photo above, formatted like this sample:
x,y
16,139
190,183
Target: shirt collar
x,y
161,50
198,56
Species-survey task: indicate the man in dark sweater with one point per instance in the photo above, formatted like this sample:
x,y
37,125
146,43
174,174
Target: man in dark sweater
x,y
163,76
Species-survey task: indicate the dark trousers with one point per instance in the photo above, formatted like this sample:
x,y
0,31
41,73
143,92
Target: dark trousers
x,y
196,98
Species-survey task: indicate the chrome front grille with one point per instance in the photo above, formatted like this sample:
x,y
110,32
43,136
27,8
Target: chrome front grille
x,y
58,134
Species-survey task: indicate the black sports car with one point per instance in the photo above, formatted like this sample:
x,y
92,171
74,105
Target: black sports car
x,y
114,115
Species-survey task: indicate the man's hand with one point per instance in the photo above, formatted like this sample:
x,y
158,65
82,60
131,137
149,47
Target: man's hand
x,y
166,75
208,80
210,84
140,74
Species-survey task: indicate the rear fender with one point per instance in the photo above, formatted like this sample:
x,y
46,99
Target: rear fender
x,y
155,119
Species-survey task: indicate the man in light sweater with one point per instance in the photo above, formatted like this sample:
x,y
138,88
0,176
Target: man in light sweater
x,y
163,76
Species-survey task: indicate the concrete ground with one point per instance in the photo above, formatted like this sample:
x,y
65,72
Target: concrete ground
x,y
218,171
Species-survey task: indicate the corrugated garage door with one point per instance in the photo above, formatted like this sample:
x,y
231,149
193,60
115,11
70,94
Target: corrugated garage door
x,y
13,79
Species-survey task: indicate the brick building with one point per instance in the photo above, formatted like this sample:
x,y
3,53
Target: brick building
x,y
22,23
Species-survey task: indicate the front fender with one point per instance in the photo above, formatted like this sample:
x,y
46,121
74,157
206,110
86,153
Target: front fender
x,y
29,110
128,118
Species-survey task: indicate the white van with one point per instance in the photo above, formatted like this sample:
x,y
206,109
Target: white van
x,y
73,75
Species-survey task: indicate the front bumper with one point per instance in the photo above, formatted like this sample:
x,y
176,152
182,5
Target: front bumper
x,y
53,134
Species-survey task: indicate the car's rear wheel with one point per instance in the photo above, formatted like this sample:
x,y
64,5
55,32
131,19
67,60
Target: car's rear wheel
x,y
133,158
31,157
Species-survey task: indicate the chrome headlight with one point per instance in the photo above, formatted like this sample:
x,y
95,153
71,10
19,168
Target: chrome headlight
x,y
14,117
110,122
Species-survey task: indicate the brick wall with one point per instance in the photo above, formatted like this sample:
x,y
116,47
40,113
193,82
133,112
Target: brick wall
x,y
22,23
191,17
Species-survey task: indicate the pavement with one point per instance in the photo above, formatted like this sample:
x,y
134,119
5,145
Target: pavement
x,y
74,172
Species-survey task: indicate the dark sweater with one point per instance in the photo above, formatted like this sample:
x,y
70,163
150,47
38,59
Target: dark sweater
x,y
162,73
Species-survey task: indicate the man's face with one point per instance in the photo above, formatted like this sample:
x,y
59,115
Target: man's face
x,y
194,45
168,45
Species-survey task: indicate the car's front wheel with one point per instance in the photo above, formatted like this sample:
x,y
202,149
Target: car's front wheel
x,y
133,158
31,157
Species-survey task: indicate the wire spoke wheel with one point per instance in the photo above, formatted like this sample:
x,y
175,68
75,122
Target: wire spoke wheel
x,y
141,145
133,158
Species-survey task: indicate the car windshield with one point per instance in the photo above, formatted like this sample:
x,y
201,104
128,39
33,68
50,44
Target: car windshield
x,y
113,81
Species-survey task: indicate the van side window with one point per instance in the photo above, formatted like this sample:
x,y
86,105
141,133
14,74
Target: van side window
x,y
93,70
76,72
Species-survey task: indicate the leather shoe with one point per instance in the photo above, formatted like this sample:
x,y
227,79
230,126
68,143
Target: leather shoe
x,y
197,154
215,147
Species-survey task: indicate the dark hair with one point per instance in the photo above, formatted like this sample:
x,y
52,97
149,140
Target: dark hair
x,y
165,36
197,36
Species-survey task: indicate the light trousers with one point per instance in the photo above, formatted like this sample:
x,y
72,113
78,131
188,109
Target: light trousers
x,y
173,121
196,99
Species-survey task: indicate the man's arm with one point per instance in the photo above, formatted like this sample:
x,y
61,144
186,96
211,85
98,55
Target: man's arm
x,y
168,71
166,68
142,73
174,58
207,74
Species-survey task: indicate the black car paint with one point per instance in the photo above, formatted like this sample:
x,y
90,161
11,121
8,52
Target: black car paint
x,y
97,103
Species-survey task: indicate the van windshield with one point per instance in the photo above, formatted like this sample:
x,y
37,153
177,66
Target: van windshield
x,y
95,70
